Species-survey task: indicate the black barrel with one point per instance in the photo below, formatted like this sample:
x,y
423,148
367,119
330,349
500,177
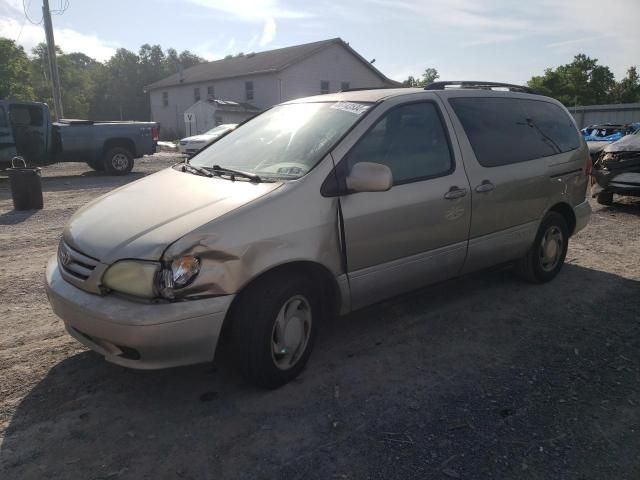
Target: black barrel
x,y
26,187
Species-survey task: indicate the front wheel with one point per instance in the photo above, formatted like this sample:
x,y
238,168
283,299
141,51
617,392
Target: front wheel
x,y
118,161
605,198
546,256
274,328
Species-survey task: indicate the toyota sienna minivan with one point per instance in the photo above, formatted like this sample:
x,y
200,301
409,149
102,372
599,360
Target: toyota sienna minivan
x,y
317,207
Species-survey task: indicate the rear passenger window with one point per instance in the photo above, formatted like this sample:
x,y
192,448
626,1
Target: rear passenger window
x,y
511,130
410,140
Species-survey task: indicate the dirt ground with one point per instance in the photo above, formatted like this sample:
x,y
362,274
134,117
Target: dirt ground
x,y
483,377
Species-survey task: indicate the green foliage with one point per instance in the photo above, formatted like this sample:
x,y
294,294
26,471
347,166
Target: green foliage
x,y
628,89
429,75
584,82
100,91
15,74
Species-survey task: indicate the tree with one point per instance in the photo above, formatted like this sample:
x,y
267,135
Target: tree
x,y
429,76
628,89
581,82
15,74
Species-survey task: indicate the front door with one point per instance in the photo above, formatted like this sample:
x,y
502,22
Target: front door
x,y
415,233
30,124
7,144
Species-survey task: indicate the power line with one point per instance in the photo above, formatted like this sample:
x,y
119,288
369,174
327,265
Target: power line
x,y
25,8
64,5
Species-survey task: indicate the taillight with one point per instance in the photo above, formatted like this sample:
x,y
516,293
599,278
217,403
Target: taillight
x,y
589,166
155,133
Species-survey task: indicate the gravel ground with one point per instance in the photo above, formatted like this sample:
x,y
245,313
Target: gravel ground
x,y
481,377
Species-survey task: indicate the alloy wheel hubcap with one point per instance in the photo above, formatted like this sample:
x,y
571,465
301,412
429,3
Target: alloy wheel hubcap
x,y
551,248
119,161
291,332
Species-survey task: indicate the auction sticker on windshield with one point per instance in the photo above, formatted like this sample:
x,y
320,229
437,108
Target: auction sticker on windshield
x,y
355,108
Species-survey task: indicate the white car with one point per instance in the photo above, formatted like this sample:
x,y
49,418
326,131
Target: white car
x,y
192,145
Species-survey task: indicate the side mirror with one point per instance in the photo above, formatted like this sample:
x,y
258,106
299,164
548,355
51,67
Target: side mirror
x,y
369,177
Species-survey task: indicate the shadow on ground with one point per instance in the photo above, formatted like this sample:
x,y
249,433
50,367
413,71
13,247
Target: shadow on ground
x,y
14,217
481,377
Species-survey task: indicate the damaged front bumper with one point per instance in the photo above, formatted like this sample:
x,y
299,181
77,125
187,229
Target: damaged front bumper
x,y
138,335
617,172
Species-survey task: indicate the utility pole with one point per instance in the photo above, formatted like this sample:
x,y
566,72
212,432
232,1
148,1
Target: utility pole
x,y
53,63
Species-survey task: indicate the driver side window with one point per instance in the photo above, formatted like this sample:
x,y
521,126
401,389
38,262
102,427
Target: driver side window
x,y
410,140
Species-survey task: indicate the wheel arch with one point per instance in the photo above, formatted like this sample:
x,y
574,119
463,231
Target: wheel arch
x,y
331,293
121,142
567,212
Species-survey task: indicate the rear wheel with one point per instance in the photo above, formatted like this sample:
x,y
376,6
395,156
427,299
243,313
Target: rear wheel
x,y
118,161
274,328
605,198
546,256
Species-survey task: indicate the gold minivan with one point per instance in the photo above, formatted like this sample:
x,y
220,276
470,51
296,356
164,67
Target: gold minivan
x,y
315,208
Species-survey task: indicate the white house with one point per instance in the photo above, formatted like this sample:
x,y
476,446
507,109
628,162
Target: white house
x,y
263,79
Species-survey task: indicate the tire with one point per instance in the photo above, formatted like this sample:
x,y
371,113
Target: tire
x,y
541,265
97,165
605,198
118,161
274,327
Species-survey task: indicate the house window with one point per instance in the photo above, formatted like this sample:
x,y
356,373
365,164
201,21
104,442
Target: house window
x,y
165,99
324,87
196,94
345,86
248,90
210,91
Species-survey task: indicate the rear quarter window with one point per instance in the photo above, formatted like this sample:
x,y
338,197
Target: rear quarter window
x,y
512,130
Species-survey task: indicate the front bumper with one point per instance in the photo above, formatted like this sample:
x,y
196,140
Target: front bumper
x,y
136,335
624,183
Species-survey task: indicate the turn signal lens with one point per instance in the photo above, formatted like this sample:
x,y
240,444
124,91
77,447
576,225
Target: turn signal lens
x,y
184,270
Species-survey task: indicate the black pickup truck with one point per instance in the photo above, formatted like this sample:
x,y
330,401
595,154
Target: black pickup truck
x,y
26,130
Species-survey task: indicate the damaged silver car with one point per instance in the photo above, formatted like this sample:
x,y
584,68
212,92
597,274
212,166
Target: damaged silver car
x,y
617,170
315,208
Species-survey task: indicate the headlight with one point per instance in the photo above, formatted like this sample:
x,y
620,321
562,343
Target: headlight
x,y
180,273
132,277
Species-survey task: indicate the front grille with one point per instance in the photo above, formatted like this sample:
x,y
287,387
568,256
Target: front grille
x,y
74,263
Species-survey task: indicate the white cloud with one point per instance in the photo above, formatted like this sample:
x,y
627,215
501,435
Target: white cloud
x,y
268,32
67,39
252,10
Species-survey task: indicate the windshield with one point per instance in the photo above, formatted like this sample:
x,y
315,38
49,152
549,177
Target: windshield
x,y
220,129
284,142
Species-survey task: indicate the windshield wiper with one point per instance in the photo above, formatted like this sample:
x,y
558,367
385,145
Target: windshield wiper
x,y
217,170
187,167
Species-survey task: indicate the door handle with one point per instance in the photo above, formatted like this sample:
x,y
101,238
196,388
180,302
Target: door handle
x,y
455,192
485,186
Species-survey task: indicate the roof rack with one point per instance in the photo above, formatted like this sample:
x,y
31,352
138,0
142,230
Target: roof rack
x,y
358,89
479,85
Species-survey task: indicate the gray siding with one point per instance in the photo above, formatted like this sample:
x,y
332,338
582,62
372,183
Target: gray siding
x,y
335,65
171,118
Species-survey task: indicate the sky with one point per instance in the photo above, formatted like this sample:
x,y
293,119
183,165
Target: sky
x,y
489,40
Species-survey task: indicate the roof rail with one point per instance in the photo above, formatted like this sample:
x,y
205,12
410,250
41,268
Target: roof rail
x,y
358,89
479,85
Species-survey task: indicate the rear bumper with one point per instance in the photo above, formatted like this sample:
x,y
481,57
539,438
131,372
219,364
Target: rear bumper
x,y
135,335
583,214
